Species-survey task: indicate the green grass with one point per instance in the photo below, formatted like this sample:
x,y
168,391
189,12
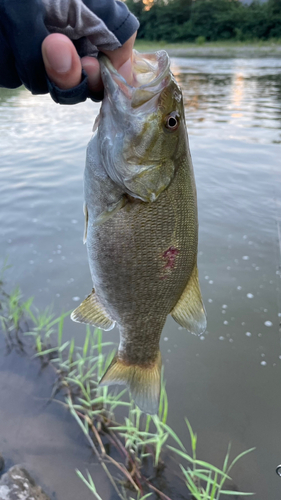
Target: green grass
x,y
140,441
221,48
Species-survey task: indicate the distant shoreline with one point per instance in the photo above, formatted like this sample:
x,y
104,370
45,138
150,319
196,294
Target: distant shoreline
x,y
214,49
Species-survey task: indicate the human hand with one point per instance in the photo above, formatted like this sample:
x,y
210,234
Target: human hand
x,y
93,26
63,64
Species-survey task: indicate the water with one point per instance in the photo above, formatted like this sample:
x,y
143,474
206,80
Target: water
x,y
228,381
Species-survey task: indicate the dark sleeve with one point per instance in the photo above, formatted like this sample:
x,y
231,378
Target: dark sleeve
x,y
116,16
22,31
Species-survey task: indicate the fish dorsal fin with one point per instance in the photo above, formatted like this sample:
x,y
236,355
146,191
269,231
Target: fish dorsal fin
x,y
144,382
189,311
85,210
92,312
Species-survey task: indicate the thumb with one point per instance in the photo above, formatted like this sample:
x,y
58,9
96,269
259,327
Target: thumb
x,y
62,63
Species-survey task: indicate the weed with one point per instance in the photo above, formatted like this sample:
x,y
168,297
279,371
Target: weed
x,y
140,440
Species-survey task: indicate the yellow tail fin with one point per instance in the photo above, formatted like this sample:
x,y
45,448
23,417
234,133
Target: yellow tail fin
x,y
143,382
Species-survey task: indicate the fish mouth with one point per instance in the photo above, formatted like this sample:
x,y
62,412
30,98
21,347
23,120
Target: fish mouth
x,y
150,74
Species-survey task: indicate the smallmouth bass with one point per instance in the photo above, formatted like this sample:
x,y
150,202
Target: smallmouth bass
x,y
141,224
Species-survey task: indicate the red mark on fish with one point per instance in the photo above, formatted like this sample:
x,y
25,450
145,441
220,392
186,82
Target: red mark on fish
x,y
170,257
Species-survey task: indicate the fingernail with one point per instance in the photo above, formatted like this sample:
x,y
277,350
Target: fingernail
x,y
126,71
60,60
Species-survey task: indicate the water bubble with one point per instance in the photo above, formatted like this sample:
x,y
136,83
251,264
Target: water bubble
x,y
57,294
245,237
263,355
169,350
280,357
268,323
166,338
265,310
31,262
259,334
59,246
75,299
34,220
180,328
74,221
202,337
206,277
257,268
228,268
210,300
224,306
50,261
279,315
211,282
250,295
239,287
223,311
62,257
225,322
10,241
248,334
263,363
245,257
222,338
250,243
243,323
231,340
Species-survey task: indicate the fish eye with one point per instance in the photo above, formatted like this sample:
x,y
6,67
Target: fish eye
x,y
172,121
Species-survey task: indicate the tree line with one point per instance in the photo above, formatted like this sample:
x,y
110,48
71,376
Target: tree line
x,y
210,20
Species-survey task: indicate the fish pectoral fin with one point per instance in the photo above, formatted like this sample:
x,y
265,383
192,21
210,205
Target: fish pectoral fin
x,y
111,211
144,382
85,210
93,313
189,311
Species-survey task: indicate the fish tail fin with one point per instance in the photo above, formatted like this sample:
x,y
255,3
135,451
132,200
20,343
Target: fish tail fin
x,y
144,382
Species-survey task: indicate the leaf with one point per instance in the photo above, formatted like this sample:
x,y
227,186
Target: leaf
x,y
174,436
240,456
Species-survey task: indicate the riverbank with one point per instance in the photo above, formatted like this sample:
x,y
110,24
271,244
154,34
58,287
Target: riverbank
x,y
214,49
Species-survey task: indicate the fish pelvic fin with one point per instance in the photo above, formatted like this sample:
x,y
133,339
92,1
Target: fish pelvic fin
x,y
92,312
189,311
144,382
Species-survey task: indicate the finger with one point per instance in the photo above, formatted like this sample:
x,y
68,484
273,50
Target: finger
x,y
92,68
122,58
62,63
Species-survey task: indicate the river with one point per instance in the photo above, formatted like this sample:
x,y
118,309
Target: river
x,y
226,382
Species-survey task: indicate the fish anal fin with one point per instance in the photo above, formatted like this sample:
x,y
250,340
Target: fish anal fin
x,y
92,312
144,382
189,311
85,210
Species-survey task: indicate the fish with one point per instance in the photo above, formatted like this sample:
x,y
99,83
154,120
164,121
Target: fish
x,y
141,223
